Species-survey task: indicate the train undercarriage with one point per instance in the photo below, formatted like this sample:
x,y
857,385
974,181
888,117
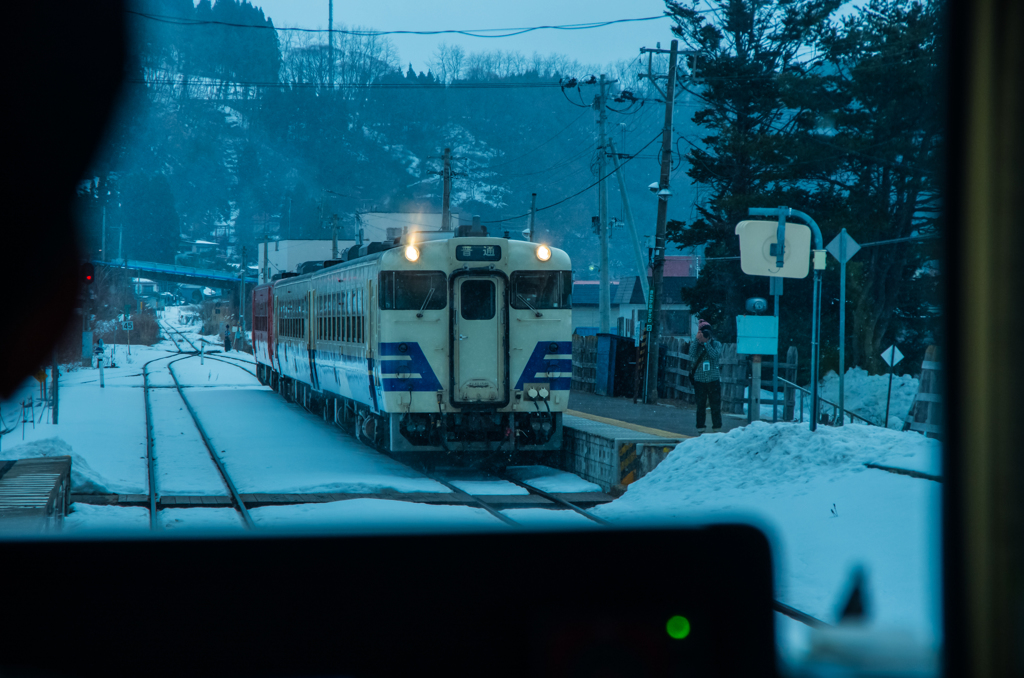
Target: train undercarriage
x,y
468,438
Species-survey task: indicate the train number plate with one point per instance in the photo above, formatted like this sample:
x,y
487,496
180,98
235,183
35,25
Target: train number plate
x,y
478,253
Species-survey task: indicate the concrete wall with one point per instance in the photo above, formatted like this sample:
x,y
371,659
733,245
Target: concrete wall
x,y
610,456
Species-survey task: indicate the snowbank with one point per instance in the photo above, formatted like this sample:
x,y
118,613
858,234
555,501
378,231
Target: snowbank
x,y
84,480
825,512
865,395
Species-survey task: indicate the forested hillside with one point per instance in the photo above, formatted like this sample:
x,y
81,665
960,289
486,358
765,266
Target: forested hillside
x,y
231,133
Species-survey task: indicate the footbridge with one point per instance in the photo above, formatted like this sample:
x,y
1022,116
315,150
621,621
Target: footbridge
x,y
188,275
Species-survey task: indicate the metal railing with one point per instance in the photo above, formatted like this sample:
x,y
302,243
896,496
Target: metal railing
x,y
835,406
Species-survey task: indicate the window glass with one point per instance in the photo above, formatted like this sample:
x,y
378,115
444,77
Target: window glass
x,y
542,289
476,298
412,290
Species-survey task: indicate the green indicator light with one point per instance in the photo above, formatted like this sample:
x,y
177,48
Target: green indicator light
x,y
678,627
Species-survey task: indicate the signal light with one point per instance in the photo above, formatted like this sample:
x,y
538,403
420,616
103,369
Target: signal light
x,y
88,273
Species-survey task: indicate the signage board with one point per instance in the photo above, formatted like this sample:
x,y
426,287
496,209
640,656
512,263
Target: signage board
x,y
757,249
891,354
835,247
757,334
130,325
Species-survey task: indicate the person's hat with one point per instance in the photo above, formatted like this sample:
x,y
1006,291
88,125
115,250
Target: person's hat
x,y
701,324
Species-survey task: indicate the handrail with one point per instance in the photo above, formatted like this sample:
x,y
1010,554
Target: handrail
x,y
834,405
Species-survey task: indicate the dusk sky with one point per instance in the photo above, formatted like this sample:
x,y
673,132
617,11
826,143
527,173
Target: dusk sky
x,y
594,46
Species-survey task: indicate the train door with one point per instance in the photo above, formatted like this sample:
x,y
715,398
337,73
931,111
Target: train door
x,y
479,341
311,327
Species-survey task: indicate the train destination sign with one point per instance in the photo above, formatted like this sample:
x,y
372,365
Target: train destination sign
x,y
478,253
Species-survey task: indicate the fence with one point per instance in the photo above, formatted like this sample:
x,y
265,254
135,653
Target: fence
x,y
674,373
584,363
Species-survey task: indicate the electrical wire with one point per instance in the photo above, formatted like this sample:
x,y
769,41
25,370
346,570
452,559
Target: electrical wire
x,y
577,193
473,33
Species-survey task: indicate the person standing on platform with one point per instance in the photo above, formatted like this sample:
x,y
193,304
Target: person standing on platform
x,y
705,353
227,339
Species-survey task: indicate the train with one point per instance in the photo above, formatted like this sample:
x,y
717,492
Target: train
x,y
448,345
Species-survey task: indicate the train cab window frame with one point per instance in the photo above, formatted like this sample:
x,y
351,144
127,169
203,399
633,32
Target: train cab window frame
x,y
410,291
555,294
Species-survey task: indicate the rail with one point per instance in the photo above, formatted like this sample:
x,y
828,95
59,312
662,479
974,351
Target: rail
x,y
835,406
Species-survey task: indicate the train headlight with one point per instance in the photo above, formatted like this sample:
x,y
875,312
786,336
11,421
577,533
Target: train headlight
x,y
543,252
411,253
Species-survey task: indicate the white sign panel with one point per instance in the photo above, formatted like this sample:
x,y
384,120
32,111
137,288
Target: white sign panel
x,y
757,258
892,353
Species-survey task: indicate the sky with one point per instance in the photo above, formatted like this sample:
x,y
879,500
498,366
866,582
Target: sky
x,y
596,46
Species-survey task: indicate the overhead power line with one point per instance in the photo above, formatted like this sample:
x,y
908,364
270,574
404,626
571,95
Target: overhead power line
x,y
473,33
581,191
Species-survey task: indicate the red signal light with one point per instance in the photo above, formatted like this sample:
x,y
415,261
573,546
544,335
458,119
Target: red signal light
x,y
88,272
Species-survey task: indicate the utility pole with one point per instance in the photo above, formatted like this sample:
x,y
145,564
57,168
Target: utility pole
x,y
602,207
533,215
659,235
641,265
330,40
103,234
265,271
241,297
334,236
446,175
54,380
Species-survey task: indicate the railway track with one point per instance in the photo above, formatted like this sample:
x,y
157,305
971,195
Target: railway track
x,y
469,499
153,495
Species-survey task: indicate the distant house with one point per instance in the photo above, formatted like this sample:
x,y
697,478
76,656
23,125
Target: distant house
x,y
144,287
628,306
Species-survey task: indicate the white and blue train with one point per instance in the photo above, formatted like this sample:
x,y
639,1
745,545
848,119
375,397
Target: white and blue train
x,y
438,342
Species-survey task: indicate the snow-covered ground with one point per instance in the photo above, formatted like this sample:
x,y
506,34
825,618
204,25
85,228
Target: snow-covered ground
x,y
824,510
866,394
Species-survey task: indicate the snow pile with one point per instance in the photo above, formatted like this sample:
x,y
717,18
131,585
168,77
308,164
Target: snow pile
x,y
865,395
764,460
824,510
84,480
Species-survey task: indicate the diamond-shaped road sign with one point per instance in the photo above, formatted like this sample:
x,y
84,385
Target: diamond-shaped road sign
x,y
892,353
851,247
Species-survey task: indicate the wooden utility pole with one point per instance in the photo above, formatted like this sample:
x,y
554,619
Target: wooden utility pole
x,y
659,234
446,175
602,207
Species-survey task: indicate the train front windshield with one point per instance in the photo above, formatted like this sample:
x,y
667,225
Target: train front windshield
x,y
542,289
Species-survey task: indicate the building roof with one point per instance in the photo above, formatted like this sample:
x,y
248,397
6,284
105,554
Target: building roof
x,y
588,292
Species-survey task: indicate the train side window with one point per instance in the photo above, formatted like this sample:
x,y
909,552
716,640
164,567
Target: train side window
x,y
542,289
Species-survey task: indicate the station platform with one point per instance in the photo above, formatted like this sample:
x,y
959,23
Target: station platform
x,y
614,442
34,494
667,419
